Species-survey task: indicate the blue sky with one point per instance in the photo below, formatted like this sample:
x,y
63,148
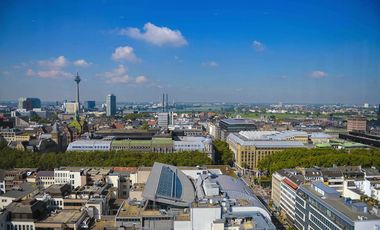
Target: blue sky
x,y
229,51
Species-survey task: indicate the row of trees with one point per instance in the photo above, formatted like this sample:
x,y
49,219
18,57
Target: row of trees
x,y
319,157
223,153
11,158
135,116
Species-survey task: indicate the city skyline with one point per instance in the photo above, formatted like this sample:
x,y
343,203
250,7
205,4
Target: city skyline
x,y
319,52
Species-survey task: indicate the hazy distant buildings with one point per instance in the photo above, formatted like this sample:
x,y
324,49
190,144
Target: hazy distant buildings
x,y
71,107
28,103
357,123
89,105
110,105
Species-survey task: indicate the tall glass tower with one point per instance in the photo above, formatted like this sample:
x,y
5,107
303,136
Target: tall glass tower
x,y
111,105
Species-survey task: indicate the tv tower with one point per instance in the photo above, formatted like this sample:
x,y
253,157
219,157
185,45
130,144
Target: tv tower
x,y
77,80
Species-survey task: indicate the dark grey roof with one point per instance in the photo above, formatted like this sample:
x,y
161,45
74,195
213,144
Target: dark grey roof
x,y
312,172
45,173
169,185
331,172
371,172
58,189
25,189
238,121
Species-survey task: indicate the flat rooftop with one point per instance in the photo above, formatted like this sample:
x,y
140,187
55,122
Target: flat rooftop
x,y
64,216
153,141
339,205
232,121
128,210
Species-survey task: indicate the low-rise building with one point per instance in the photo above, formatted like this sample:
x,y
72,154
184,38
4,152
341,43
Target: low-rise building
x,y
22,192
76,177
44,179
249,147
89,145
173,199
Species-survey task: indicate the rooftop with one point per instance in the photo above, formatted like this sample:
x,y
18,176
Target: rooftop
x,y
24,189
337,205
64,216
153,141
167,184
243,141
235,121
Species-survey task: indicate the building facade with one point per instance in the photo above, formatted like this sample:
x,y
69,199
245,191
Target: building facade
x,y
251,147
111,105
358,124
228,126
27,103
321,207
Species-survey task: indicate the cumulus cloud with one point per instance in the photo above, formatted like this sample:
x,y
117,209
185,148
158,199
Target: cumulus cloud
x,y
81,63
125,53
211,64
141,79
156,35
258,46
53,73
318,74
120,75
56,63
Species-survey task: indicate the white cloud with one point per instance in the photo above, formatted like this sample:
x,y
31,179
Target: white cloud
x,y
125,53
81,63
48,74
141,79
57,63
120,75
258,46
211,64
318,74
156,35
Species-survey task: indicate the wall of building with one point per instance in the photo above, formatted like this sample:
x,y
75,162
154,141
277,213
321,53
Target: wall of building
x,y
202,218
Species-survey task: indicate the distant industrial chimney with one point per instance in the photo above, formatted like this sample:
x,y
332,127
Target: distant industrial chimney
x,y
163,102
167,103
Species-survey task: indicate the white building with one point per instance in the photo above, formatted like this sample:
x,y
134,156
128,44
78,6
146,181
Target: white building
x,y
73,176
187,143
163,120
89,145
45,179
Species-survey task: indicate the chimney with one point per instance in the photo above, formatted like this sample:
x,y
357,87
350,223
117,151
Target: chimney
x,y
163,102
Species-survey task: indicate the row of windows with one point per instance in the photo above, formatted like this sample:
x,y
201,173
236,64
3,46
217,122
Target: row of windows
x,y
184,145
89,147
20,227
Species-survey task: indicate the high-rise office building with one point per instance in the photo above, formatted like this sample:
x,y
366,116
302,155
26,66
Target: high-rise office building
x,y
89,105
357,123
163,120
378,115
111,105
28,103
